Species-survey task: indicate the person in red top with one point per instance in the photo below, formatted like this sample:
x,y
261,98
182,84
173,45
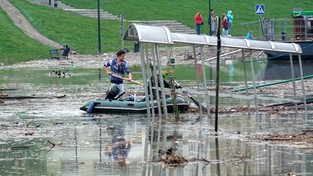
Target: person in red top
x,y
198,20
225,25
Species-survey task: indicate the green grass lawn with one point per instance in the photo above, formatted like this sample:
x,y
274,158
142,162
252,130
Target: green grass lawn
x,y
15,45
184,10
78,31
81,33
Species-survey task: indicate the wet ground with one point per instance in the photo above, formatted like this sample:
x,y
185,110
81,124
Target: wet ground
x,y
47,134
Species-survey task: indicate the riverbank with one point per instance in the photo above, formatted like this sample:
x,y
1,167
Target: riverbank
x,y
182,55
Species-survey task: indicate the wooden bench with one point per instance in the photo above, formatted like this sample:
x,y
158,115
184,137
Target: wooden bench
x,y
54,54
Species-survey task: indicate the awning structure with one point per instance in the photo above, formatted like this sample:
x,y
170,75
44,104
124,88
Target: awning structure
x,y
162,35
149,38
148,34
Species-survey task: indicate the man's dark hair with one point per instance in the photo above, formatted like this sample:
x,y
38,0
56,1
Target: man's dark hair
x,y
120,53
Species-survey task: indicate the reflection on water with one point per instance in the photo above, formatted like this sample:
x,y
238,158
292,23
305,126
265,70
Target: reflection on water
x,y
51,136
282,70
81,150
263,70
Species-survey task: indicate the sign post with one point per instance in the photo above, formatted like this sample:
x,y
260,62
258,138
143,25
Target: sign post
x,y
259,9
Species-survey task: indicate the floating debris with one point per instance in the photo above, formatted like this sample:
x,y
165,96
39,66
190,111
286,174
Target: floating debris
x,y
19,147
170,158
31,97
302,139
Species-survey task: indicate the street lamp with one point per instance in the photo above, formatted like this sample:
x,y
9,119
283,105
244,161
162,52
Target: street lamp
x,y
210,17
99,37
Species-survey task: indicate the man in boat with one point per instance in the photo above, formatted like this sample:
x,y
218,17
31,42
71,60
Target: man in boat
x,y
118,67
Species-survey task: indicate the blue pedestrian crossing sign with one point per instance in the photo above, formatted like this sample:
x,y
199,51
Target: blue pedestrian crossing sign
x,y
259,9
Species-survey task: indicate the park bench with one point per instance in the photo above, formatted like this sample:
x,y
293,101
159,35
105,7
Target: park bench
x,y
54,53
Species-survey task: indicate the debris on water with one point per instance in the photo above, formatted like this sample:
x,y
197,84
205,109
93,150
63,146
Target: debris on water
x,y
58,123
22,113
29,133
291,174
170,158
30,97
300,140
60,120
54,144
307,130
19,147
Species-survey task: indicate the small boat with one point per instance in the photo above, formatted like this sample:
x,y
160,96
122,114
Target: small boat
x,y
127,106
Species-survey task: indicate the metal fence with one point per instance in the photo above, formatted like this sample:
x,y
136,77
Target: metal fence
x,y
297,28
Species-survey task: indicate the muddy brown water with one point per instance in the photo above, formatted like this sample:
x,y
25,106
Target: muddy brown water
x,y
51,136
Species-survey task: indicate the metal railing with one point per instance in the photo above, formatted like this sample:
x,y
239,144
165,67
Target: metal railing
x,y
298,28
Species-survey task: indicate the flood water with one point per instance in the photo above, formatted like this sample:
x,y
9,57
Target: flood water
x,y
49,135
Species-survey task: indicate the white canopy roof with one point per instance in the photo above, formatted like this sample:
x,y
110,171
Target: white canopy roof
x,y
162,35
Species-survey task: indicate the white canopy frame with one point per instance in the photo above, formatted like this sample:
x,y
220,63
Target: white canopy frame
x,y
153,36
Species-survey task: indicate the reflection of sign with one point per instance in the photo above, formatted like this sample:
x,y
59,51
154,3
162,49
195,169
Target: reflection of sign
x,y
259,9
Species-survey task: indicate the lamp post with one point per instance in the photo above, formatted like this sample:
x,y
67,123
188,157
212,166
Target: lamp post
x,y
99,37
210,17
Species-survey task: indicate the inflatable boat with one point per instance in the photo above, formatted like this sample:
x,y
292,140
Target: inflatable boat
x,y
127,105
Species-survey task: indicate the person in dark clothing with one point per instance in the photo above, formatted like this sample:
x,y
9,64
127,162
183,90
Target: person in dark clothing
x,y
165,83
66,51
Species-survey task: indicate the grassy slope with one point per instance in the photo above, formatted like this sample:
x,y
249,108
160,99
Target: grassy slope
x,y
81,32
15,43
184,10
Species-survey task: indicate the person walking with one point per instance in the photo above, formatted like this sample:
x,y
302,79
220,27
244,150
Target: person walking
x,y
225,25
118,67
213,20
230,18
198,21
